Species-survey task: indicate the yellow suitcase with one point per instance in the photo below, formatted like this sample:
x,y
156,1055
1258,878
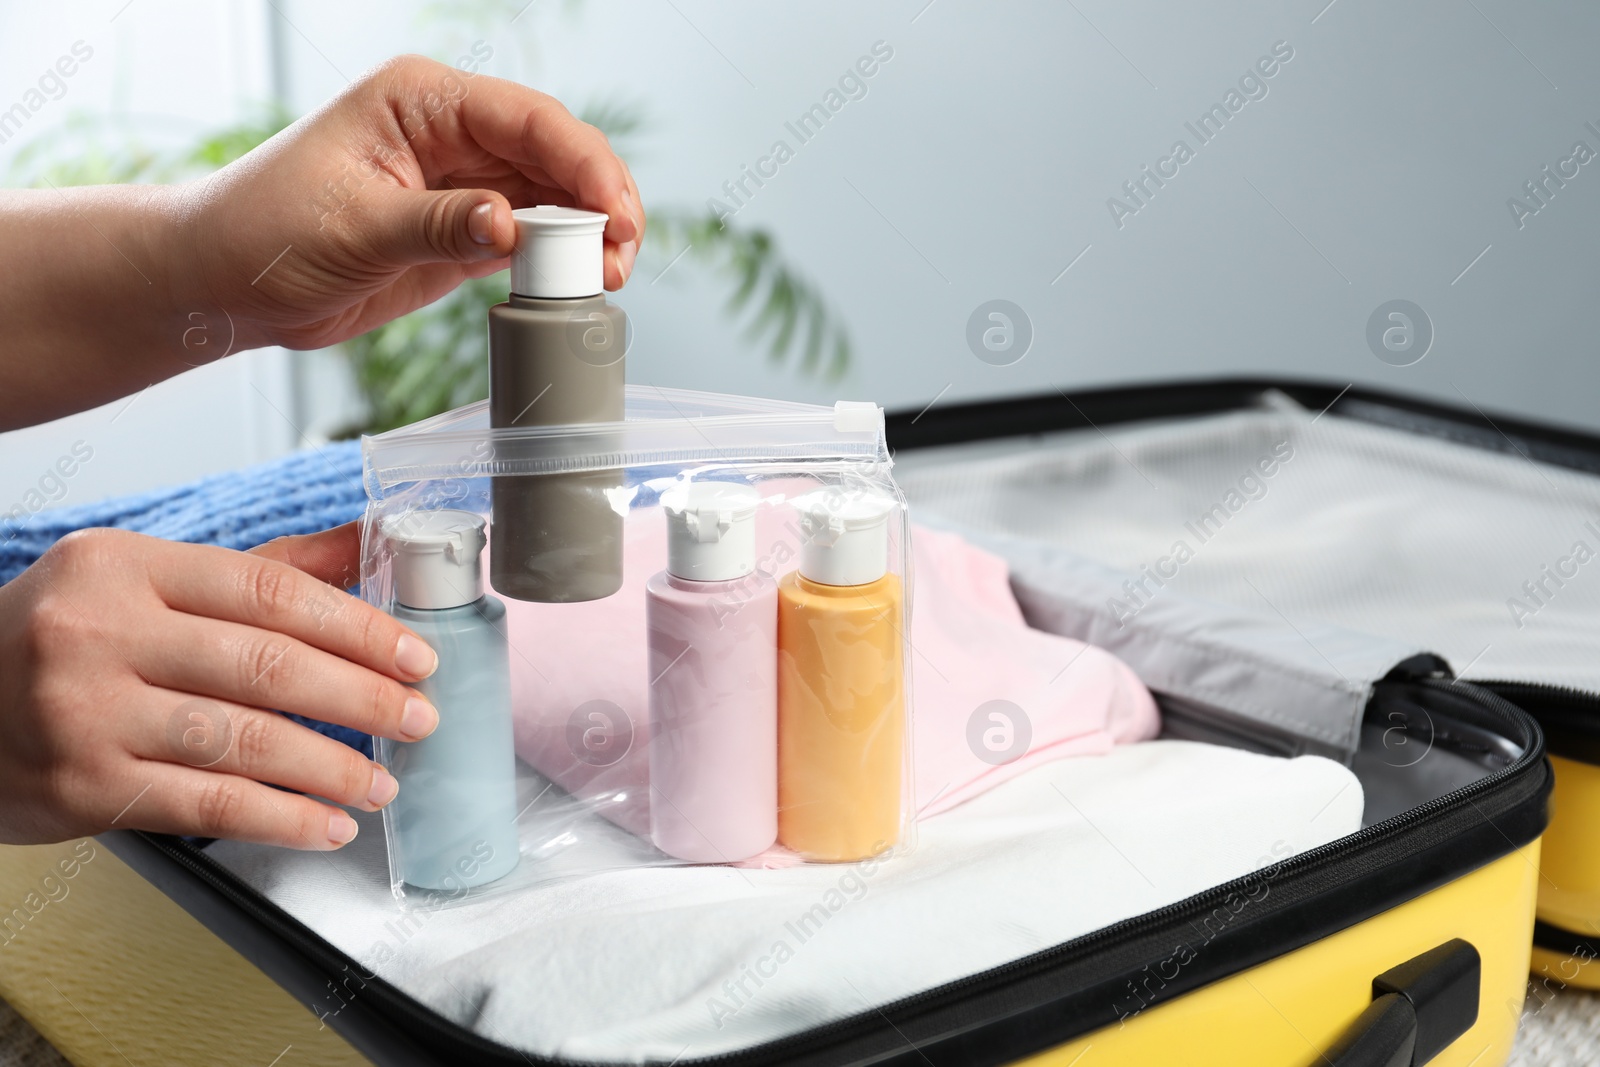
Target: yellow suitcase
x,y
1407,942
1566,937
157,955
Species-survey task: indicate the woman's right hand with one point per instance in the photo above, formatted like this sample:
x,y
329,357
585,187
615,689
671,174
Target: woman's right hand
x,y
137,677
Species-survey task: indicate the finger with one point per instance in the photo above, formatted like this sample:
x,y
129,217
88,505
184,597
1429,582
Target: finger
x,y
486,268
228,738
254,591
636,202
619,264
628,251
187,800
267,669
332,556
409,227
522,185
526,127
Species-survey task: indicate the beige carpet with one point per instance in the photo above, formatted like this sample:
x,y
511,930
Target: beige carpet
x,y
21,1045
1562,1032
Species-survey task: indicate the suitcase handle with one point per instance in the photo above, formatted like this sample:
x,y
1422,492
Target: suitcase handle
x,y
1417,1009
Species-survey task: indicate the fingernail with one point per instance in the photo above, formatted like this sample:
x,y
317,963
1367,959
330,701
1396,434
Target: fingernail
x,y
419,719
625,257
384,787
341,828
480,223
413,658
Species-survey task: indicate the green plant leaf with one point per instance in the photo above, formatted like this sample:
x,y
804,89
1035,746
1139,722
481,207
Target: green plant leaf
x,y
108,150
753,262
620,120
226,145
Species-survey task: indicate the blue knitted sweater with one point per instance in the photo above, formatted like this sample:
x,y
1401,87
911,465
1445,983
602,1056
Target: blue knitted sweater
x,y
300,493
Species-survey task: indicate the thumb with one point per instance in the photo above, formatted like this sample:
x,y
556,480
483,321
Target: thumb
x,y
332,556
417,226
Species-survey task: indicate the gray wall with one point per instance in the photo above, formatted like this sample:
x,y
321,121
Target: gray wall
x,y
979,164
977,167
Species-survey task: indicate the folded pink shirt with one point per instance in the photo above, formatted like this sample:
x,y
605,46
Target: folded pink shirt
x,y
971,649
991,697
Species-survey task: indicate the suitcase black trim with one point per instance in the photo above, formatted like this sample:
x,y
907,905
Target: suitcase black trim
x,y
1569,717
1055,411
1558,939
1028,1005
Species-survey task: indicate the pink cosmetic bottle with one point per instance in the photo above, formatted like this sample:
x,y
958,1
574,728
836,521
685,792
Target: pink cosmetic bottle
x,y
713,681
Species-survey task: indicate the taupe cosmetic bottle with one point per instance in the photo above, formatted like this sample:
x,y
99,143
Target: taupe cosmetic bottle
x,y
556,357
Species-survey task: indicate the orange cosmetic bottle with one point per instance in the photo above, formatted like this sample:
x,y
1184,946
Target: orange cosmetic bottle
x,y
841,694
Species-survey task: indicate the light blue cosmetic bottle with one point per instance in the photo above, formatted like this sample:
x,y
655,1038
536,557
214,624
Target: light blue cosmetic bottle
x,y
452,826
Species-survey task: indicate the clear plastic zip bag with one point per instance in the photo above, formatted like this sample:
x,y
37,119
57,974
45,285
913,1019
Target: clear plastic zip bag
x,y
676,639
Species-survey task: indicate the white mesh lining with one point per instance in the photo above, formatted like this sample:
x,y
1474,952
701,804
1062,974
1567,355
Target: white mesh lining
x,y
1390,533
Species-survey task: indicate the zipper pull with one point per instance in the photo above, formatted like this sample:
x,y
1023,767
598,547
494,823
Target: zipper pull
x,y
1422,665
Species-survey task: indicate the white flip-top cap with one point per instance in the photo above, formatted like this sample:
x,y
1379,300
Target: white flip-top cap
x,y
436,557
846,535
560,252
711,530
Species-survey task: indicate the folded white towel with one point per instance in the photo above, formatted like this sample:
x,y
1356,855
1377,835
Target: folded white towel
x,y
671,963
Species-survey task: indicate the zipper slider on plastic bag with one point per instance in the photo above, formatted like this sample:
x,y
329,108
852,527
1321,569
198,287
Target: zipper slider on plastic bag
x,y
857,416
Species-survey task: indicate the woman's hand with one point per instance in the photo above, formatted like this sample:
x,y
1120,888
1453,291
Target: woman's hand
x,y
382,201
390,195
136,674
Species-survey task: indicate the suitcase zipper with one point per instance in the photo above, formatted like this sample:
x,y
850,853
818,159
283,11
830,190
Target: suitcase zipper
x,y
1564,696
1569,717
1492,795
